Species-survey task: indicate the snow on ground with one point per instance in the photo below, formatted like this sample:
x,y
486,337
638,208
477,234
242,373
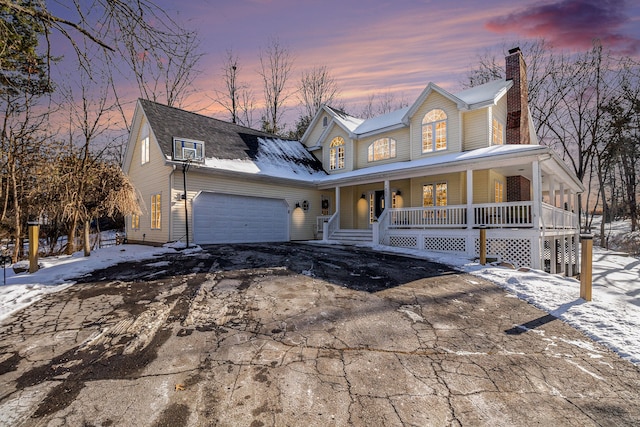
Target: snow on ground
x,y
55,273
611,318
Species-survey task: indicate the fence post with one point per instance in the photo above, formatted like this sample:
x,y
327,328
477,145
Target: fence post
x,y
34,234
586,259
483,245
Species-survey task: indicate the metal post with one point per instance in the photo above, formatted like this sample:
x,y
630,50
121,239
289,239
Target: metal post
x,y
586,258
185,167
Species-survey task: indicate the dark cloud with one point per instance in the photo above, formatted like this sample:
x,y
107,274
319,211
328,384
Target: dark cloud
x,y
571,23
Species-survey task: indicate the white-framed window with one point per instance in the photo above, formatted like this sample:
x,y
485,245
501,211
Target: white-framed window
x,y
382,149
434,131
135,221
336,153
498,133
434,194
144,144
188,149
499,191
156,211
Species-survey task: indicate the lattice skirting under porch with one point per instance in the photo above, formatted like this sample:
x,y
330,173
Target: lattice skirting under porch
x,y
514,251
521,248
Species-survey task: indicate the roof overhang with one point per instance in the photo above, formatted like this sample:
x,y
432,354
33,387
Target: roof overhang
x,y
456,162
310,182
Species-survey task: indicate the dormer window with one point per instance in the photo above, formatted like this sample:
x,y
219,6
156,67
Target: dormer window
x,y
336,153
382,149
434,131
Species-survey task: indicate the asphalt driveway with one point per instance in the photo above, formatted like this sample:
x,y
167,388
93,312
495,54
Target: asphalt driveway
x,y
297,334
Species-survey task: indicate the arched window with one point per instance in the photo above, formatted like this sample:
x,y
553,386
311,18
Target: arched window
x,y
381,149
434,131
336,153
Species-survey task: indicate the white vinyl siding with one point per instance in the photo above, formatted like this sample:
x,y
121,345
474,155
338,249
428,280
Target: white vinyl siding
x,y
316,132
476,129
402,148
302,223
455,188
436,101
150,178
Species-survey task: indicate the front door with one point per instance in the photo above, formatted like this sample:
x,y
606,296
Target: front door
x,y
378,203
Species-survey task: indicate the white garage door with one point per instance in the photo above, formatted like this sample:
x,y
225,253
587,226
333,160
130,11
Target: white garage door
x,y
228,218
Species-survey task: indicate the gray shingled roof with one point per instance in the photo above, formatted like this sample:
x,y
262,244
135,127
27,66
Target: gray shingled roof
x,y
222,140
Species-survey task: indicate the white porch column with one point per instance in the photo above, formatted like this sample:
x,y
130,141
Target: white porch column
x,y
536,242
338,207
470,241
387,194
552,191
470,215
554,254
537,194
563,240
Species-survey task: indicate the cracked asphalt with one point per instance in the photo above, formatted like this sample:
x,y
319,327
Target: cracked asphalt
x,y
301,335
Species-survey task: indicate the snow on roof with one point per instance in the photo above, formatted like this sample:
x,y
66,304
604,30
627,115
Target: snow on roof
x,y
480,153
275,158
381,122
347,121
485,92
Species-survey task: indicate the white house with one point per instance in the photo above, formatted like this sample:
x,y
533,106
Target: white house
x,y
424,177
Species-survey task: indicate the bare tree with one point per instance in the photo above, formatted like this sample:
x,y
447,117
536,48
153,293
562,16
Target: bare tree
x,y
237,98
567,93
164,72
317,87
89,111
382,103
276,63
23,145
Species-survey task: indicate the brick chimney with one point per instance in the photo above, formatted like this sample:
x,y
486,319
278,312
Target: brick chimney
x,y
517,99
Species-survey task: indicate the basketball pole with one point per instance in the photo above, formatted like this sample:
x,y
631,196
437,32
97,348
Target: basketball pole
x,y
185,168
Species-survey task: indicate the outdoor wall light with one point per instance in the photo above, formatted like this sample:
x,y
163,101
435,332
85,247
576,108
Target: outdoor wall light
x,y
363,197
305,205
297,205
398,193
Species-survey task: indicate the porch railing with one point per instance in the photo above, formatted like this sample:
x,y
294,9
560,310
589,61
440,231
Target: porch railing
x,y
553,217
428,217
330,226
494,215
510,214
320,220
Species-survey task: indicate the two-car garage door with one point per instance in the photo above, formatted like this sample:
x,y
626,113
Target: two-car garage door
x,y
229,218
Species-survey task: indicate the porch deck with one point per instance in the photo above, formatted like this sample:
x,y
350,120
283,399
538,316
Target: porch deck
x,y
546,238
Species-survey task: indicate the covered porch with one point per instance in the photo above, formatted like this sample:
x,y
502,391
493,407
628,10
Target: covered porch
x,y
527,204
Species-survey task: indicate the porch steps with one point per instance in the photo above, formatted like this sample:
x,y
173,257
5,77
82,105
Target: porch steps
x,y
352,236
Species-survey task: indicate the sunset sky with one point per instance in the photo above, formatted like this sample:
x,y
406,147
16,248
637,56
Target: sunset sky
x,y
377,46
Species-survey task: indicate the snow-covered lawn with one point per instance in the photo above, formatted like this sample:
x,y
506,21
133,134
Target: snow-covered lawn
x,y
611,318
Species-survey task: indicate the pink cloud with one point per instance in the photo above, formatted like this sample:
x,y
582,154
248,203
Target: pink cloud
x,y
572,24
